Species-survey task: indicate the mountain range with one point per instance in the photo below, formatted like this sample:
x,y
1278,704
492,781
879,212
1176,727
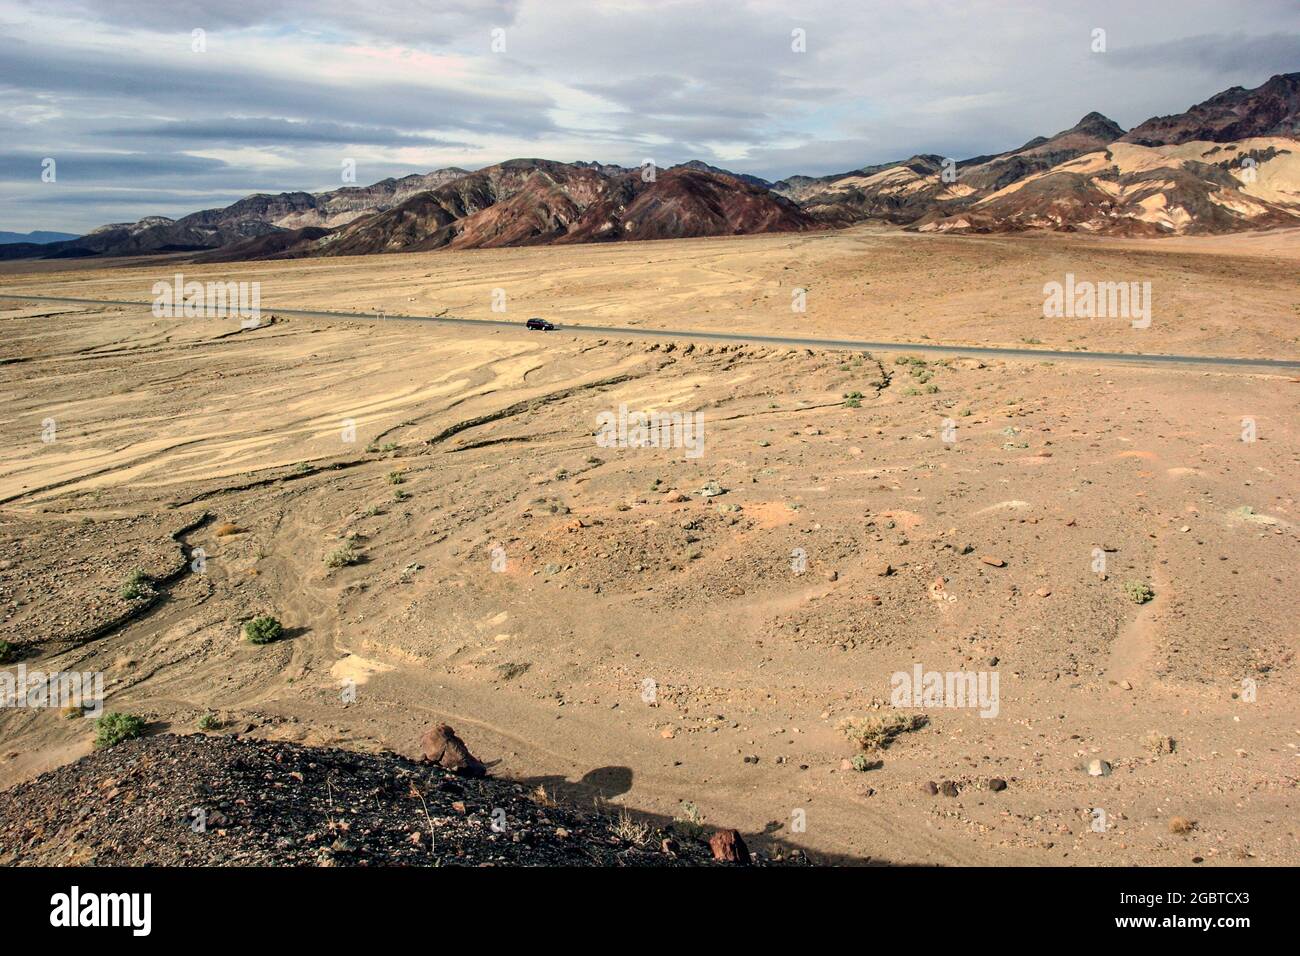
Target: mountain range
x,y
1229,163
35,238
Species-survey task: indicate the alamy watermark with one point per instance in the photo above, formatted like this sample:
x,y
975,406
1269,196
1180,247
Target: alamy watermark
x,y
624,429
1098,300
211,300
921,688
80,689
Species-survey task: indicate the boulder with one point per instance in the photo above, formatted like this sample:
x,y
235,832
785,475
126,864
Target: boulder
x,y
441,746
728,847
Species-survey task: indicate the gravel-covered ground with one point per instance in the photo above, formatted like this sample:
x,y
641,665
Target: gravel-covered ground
x,y
223,800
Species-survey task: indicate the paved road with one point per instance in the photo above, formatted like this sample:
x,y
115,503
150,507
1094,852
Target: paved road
x,y
1109,358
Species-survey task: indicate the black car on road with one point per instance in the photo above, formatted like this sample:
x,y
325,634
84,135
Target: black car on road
x,y
540,324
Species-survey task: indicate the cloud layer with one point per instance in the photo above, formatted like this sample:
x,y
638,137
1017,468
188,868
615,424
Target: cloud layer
x,y
167,107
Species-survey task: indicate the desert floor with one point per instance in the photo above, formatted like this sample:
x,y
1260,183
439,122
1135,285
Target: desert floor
x,y
526,585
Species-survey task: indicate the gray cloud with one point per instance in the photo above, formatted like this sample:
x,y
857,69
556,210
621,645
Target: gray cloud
x,y
270,131
1221,55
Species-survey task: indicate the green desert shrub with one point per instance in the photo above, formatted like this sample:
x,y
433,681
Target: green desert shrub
x,y
112,729
263,630
1138,592
137,585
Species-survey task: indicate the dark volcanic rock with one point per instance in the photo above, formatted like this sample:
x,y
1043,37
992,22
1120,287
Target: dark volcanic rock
x,y
229,801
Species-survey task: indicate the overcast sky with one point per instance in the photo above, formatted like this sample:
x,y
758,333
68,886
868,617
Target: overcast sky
x,y
141,123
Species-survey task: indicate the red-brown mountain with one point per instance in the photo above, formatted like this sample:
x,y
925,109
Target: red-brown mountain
x,y
1272,109
536,201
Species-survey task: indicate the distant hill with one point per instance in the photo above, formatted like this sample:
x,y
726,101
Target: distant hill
x,y
1272,109
537,201
35,238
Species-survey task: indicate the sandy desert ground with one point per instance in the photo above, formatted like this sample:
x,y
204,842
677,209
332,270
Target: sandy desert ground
x,y
474,451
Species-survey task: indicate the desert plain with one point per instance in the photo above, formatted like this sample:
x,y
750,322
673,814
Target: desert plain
x,y
426,509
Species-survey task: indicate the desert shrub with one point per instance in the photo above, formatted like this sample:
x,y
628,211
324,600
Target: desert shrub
x,y
878,731
342,556
7,652
396,478
1138,592
690,823
112,729
137,585
1159,743
209,722
630,830
263,630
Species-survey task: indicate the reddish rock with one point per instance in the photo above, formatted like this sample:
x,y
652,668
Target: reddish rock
x,y
728,847
992,561
440,745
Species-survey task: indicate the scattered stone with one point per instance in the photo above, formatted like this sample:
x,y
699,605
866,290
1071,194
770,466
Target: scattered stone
x,y
931,788
997,784
992,561
1098,768
711,490
832,575
949,789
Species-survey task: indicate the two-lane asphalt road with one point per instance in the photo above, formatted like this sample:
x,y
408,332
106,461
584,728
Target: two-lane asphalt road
x,y
1105,358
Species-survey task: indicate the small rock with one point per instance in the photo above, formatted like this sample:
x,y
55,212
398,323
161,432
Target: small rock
x,y
997,784
1098,768
949,789
992,561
